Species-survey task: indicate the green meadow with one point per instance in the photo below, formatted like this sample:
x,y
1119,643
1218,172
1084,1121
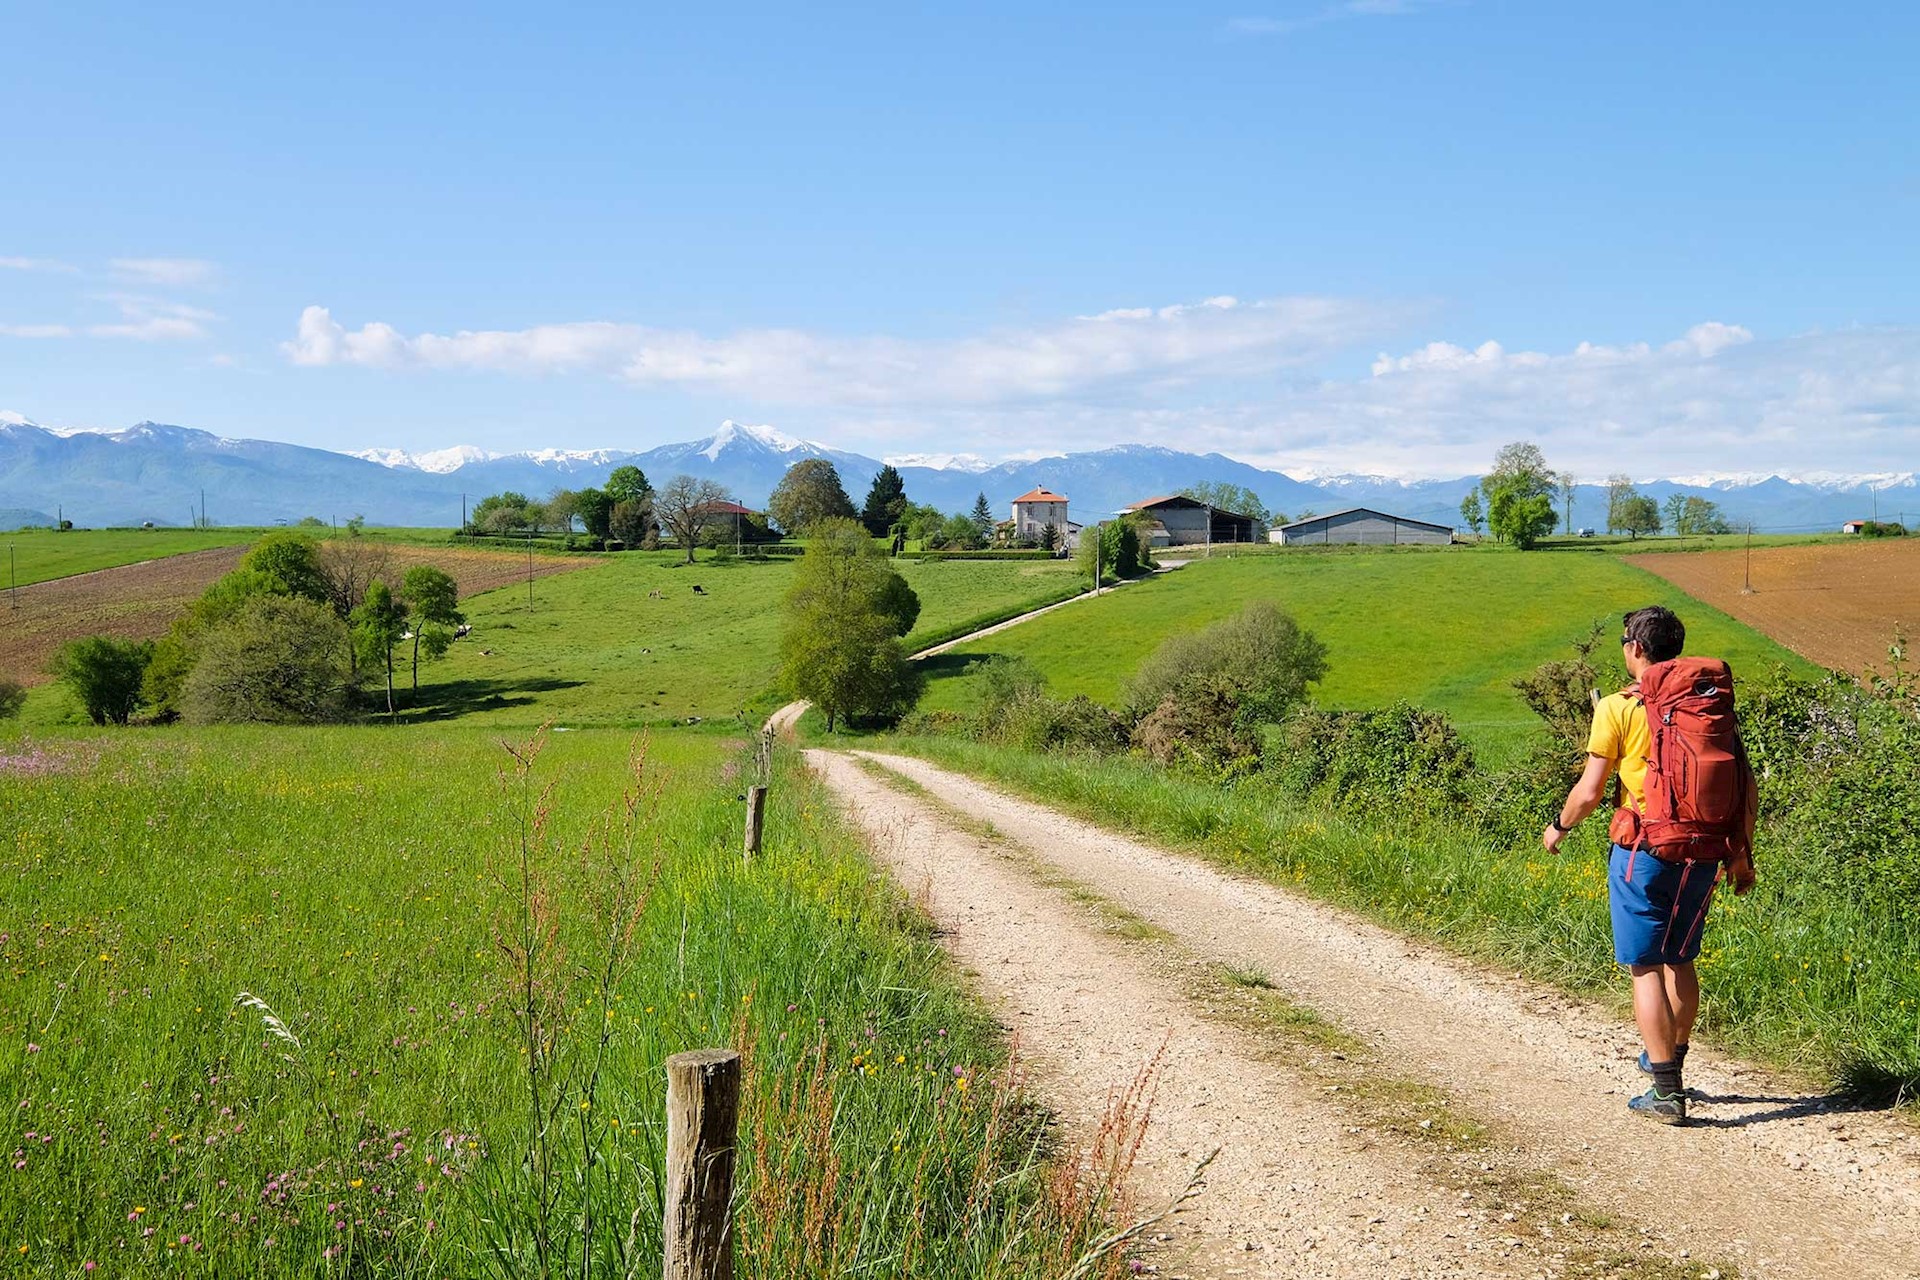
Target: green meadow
x,y
1443,628
260,1012
599,646
39,555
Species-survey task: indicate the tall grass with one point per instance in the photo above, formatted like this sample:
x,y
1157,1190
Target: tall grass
x,y
1791,972
366,1104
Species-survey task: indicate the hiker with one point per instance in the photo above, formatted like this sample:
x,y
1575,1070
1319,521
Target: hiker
x,y
1669,855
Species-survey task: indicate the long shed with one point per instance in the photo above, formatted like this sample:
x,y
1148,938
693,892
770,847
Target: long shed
x,y
1189,522
1363,526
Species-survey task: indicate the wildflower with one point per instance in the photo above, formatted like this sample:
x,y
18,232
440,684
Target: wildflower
x,y
33,1048
357,1183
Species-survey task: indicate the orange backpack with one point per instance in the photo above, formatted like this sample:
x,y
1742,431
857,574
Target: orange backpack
x,y
1701,795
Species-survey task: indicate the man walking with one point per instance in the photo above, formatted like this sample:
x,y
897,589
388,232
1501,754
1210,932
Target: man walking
x,y
1663,870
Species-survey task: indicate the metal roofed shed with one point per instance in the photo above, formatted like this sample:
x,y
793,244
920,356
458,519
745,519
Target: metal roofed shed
x,y
1186,521
1361,526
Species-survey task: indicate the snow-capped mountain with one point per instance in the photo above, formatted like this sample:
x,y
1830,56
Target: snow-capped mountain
x,y
153,471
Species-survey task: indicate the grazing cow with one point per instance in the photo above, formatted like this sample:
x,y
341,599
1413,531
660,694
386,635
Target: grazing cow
x,y
461,630
699,590
656,594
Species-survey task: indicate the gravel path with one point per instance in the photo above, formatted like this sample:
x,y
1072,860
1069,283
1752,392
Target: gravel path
x,y
1770,1179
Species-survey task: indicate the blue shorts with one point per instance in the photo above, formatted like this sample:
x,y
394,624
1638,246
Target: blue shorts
x,y
1659,908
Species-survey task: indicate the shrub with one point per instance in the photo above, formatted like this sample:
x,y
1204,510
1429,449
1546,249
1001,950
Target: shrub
x,y
13,696
1004,680
1402,759
1883,529
105,673
1201,725
1035,722
280,660
1260,655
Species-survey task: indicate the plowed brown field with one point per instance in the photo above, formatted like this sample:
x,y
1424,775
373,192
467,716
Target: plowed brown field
x,y
140,601
1836,603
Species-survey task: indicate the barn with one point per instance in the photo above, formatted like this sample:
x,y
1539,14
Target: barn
x,y
1363,526
1184,522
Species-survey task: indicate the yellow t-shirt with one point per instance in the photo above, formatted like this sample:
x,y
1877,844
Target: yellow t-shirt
x,y
1620,734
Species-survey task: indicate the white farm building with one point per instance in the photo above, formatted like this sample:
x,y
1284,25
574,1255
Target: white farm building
x,y
1361,526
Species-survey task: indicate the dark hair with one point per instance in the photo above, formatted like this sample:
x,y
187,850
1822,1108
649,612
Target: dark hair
x,y
1657,631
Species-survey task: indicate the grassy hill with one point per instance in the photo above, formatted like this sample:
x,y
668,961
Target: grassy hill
x,y
598,647
1444,628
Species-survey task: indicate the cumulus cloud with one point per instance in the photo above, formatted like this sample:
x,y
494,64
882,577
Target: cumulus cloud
x,y
1144,347
164,272
35,331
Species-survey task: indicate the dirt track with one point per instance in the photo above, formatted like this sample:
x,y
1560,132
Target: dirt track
x,y
1836,604
1768,1179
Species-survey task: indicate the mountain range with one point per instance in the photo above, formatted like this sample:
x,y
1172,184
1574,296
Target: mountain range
x,y
159,473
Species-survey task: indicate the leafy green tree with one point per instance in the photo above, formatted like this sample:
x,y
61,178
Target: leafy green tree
x,y
1689,514
595,509
13,696
632,522
106,674
1568,487
1638,514
503,512
628,484
957,533
841,626
433,600
886,502
559,510
1203,694
378,623
922,521
982,517
1519,494
809,493
289,565
1471,511
279,660
1619,489
687,506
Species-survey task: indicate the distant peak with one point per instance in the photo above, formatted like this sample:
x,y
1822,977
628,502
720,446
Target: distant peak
x,y
730,431
8,418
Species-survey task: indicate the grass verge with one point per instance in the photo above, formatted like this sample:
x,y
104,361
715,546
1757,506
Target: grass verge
x,y
349,881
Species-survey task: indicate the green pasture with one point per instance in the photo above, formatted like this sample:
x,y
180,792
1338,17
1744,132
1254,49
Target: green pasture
x,y
40,555
1792,972
597,647
360,884
1444,628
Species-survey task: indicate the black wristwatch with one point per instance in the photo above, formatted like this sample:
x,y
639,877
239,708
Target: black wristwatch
x,y
1554,822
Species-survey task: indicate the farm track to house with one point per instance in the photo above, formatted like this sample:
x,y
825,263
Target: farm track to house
x,y
1770,1178
140,601
1836,604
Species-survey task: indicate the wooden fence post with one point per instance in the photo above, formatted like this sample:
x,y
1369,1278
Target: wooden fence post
x,y
703,1114
756,816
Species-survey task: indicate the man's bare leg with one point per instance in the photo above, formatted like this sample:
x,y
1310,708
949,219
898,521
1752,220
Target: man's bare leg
x,y
1683,999
1653,1012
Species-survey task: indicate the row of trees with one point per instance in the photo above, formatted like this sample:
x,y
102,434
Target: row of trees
x,y
1515,502
629,510
287,637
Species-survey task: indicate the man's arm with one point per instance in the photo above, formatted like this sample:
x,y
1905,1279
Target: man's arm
x,y
1581,801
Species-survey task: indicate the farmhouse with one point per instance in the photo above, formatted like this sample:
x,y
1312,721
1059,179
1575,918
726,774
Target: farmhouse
x,y
1853,526
1182,521
1034,510
1361,525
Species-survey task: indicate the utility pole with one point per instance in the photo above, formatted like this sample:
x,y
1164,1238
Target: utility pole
x,y
1209,507
1746,588
13,578
529,566
463,512
203,508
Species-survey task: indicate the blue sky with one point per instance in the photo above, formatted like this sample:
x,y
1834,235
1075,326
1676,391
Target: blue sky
x,y
1370,235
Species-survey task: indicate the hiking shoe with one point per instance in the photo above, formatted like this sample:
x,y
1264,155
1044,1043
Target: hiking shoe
x,y
1667,1108
1645,1066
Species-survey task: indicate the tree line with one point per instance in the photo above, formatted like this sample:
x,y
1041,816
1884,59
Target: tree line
x,y
1520,500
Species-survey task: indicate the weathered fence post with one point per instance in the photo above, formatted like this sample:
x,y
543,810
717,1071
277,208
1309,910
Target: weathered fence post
x,y
756,815
703,1113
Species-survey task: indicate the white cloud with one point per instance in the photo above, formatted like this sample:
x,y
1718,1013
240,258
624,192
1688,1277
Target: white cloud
x,y
32,264
147,319
35,331
1140,349
164,272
